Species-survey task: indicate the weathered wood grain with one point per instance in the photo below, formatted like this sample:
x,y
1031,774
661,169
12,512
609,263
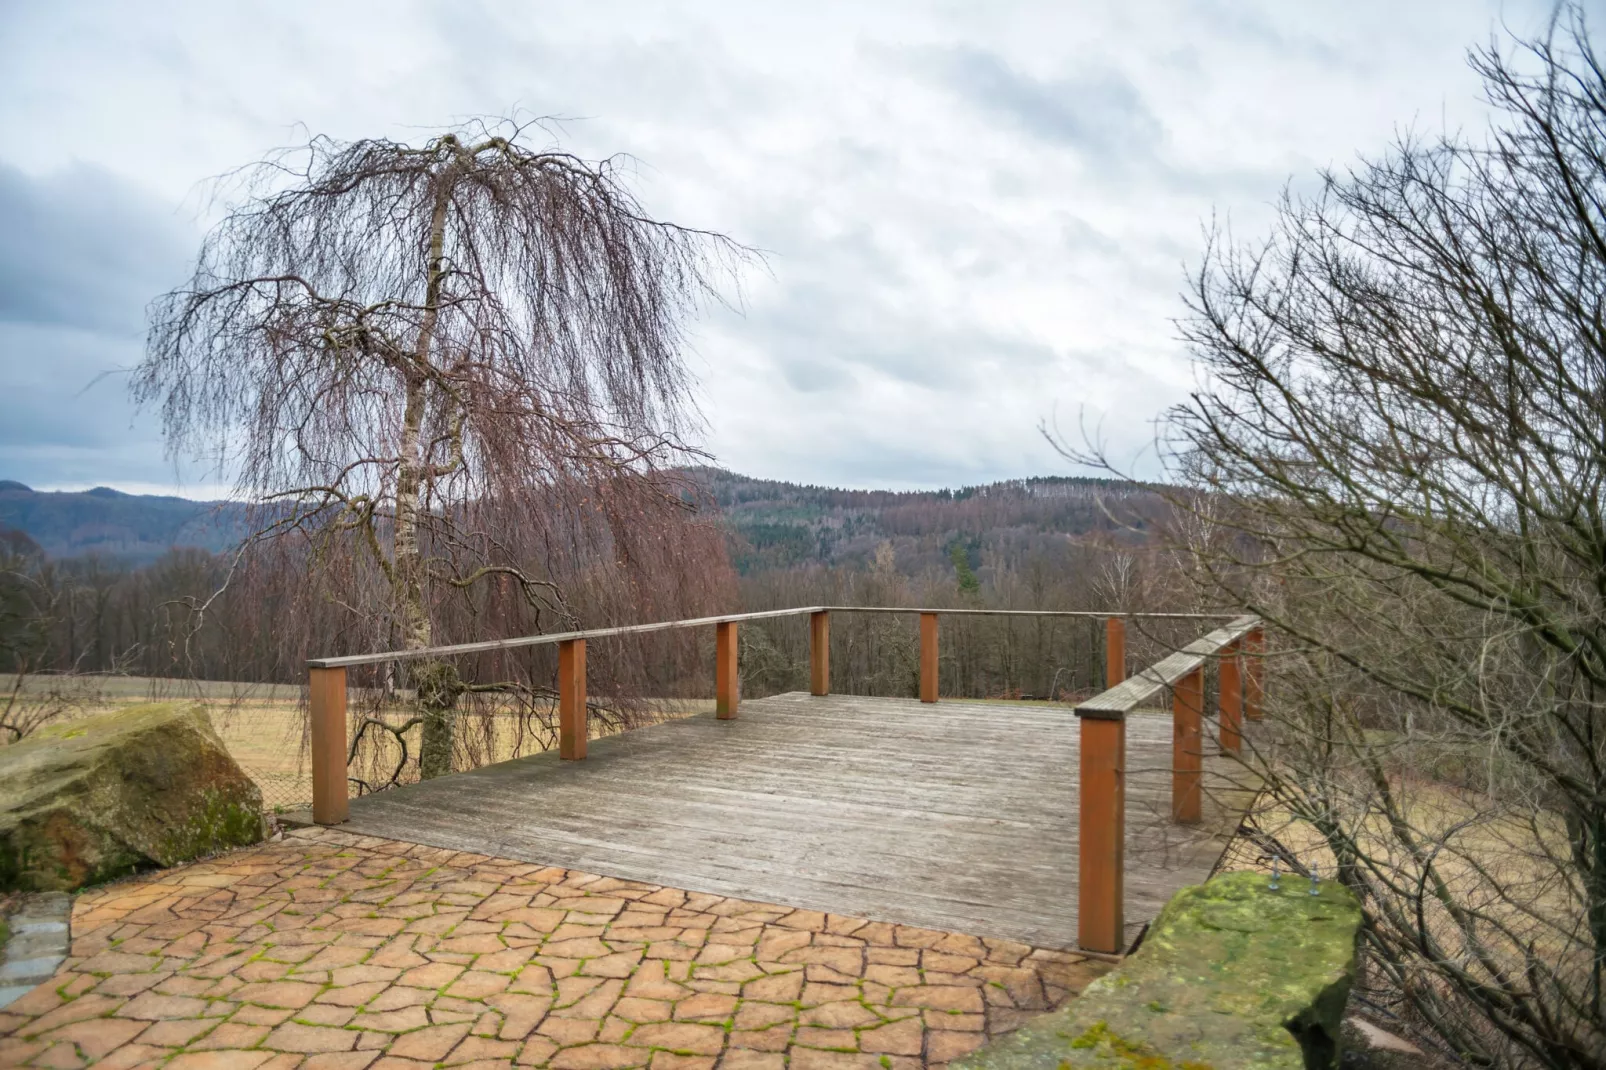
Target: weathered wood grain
x,y
1133,692
954,816
485,646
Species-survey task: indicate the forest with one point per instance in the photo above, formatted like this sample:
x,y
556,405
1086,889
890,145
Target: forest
x,y
1043,543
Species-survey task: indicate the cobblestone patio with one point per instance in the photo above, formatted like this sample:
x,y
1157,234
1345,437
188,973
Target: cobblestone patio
x,y
327,949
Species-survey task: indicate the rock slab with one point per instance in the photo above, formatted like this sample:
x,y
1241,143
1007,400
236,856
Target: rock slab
x,y
100,797
1234,975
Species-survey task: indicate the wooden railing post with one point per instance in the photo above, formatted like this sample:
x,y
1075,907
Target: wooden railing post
x,y
820,653
1187,703
326,695
1101,891
572,727
726,681
1254,674
1231,680
1114,651
928,657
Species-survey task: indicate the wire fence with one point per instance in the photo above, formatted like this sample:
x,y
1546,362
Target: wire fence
x,y
508,708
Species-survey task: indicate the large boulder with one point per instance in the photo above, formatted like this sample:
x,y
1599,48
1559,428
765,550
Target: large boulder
x,y
1233,974
91,799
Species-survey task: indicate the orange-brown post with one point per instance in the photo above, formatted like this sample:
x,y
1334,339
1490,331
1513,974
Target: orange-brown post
x,y
726,682
820,653
1187,702
1254,673
1231,679
326,695
572,726
1114,651
1101,902
928,657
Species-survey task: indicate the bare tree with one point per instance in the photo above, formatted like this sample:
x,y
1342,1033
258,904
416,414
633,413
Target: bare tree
x,y
456,362
1400,440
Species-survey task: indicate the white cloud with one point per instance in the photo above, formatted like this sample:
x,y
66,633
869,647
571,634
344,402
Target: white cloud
x,y
976,214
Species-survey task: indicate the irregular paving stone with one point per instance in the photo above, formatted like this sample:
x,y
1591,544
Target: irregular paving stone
x,y
895,1038
292,994
217,1060
844,1014
153,1006
680,1036
293,1036
738,1059
599,1057
429,1044
233,1035
278,941
96,1037
755,1015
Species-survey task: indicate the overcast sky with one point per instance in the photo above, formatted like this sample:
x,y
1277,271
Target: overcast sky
x,y
978,215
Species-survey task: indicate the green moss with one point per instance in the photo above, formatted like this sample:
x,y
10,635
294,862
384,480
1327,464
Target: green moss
x,y
221,822
105,796
1100,1040
1233,974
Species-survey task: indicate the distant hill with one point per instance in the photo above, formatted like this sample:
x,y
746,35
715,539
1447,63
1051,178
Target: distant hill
x,y
777,525
133,527
773,524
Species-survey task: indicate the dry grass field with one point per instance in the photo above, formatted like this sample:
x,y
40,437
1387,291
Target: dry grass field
x,y
264,725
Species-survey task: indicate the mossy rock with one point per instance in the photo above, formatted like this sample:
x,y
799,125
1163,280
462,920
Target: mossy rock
x,y
100,797
1233,976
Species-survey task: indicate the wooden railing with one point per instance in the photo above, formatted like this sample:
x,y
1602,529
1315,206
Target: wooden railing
x,y
1101,908
1103,728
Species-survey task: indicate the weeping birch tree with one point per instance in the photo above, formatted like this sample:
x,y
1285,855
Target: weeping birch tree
x,y
436,357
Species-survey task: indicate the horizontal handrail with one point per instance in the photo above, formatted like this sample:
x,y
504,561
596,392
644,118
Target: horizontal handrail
x,y
487,645
1114,704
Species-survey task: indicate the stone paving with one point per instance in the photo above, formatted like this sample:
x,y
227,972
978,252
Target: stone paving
x,y
329,950
37,947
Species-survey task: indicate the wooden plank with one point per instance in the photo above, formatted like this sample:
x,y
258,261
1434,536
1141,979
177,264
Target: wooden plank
x,y
518,642
543,640
1028,613
820,652
573,726
326,697
1255,673
1231,702
928,657
1129,694
1114,652
955,816
726,681
1101,846
1187,748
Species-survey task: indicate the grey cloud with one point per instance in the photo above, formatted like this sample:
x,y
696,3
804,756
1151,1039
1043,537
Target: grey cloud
x,y
826,335
81,254
964,231
1096,111
84,249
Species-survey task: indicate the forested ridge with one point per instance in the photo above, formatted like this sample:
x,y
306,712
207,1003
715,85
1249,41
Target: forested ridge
x,y
102,581
772,523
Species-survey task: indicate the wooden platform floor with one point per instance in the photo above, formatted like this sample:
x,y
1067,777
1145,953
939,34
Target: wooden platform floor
x,y
958,815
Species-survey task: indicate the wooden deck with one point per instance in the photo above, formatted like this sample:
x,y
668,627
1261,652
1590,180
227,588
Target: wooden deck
x,y
959,816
